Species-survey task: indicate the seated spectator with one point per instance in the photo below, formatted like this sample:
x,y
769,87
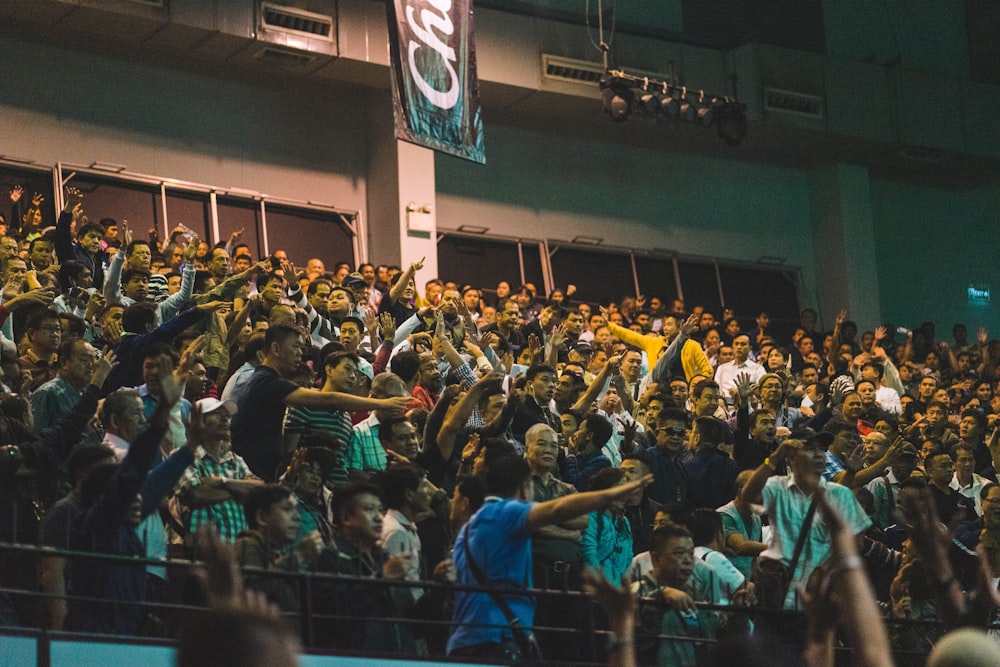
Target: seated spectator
x,y
273,520
679,580
357,514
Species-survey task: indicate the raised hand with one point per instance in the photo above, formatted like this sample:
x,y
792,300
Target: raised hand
x,y
105,364
387,326
881,333
841,317
856,461
605,313
743,384
37,200
984,336
690,325
191,250
72,199
126,234
416,266
15,194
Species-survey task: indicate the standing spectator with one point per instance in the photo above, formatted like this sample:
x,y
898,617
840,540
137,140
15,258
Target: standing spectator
x,y
787,499
710,472
498,539
257,426
218,481
607,541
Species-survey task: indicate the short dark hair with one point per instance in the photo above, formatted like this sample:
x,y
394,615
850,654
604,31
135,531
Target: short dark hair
x,y
90,227
396,480
506,475
40,317
128,274
38,239
663,534
405,364
537,370
70,272
139,317
605,478
705,524
876,366
337,357
671,415
702,386
85,456
280,333
116,403
473,488
314,285
344,500
158,349
261,499
130,248
385,428
710,429
66,349
600,427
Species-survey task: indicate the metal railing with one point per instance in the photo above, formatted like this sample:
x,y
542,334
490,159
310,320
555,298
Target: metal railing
x,y
587,635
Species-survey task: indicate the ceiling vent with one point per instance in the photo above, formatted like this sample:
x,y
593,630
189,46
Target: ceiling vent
x,y
296,22
789,102
586,72
284,57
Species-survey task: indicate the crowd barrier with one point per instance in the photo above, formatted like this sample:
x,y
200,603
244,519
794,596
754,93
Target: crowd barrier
x,y
25,645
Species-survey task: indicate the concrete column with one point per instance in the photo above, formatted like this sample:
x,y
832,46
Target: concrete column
x,y
843,234
400,177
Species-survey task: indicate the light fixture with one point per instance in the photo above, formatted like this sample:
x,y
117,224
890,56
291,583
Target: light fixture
x,y
473,229
705,116
624,94
617,97
731,122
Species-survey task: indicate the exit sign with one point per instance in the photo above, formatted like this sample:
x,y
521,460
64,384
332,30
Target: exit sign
x,y
979,294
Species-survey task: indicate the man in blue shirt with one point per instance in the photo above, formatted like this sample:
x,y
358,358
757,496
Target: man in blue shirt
x,y
498,539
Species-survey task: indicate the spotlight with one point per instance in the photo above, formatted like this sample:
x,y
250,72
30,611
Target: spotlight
x,y
649,103
617,98
686,110
669,106
731,122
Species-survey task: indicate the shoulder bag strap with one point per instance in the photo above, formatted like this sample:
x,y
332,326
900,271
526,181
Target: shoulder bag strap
x,y
512,620
800,543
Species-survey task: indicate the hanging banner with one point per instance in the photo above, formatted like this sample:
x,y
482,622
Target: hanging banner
x,y
435,92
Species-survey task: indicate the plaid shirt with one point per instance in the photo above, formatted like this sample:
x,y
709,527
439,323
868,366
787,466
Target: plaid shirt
x,y
227,516
366,451
833,466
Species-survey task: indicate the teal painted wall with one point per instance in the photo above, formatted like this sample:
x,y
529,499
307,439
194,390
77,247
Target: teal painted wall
x,y
537,186
930,35
931,244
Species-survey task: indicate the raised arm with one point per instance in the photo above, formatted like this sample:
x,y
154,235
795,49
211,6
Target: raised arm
x,y
577,504
397,290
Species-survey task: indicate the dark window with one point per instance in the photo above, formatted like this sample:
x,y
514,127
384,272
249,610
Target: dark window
x,y
305,233
184,208
656,278
750,290
700,286
119,200
31,182
241,214
598,276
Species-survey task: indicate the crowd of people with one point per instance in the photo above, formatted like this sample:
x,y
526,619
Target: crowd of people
x,y
697,471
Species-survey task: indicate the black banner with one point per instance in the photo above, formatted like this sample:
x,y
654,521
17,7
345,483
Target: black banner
x,y
435,90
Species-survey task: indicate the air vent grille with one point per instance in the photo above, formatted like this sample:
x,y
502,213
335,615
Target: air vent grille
x,y
585,72
297,21
284,57
790,102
